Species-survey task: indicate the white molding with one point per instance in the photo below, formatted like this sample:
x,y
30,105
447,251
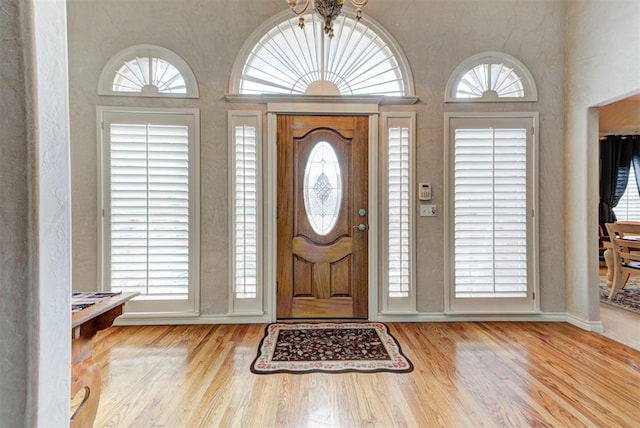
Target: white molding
x,y
324,108
443,317
535,224
187,319
373,263
446,212
270,247
128,319
320,99
105,85
194,232
595,326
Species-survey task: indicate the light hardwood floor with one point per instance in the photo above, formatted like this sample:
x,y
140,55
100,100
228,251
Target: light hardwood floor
x,y
466,375
621,325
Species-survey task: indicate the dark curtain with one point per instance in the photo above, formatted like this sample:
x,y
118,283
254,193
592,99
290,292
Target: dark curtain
x,y
634,140
615,158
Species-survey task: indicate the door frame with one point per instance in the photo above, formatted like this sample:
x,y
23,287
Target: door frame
x,y
270,184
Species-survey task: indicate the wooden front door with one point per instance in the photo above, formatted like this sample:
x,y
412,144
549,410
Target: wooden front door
x,y
322,216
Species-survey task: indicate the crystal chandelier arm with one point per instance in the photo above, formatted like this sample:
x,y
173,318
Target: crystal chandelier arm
x,y
299,11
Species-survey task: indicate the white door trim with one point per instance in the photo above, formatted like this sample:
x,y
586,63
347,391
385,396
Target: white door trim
x,y
270,184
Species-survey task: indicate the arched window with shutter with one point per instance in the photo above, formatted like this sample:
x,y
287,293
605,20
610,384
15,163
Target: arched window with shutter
x,y
491,77
148,71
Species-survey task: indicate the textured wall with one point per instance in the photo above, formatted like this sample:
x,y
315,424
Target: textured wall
x,y
603,65
35,251
14,213
436,36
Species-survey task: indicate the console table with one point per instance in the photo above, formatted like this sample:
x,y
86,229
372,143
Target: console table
x,y
85,375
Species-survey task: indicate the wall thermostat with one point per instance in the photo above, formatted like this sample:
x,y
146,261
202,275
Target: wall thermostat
x,y
424,191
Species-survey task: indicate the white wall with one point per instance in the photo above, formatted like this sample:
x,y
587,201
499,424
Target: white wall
x,y
603,65
35,224
436,36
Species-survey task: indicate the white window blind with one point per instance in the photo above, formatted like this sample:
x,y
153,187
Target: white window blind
x,y
149,209
397,219
398,212
246,213
490,213
628,208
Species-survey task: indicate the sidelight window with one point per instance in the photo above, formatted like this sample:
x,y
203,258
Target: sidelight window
x,y
245,213
398,207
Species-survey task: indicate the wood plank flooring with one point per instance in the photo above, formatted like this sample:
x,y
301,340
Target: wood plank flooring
x,y
466,375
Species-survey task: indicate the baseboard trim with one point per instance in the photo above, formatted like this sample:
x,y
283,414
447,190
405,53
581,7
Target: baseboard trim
x,y
442,317
157,319
595,326
187,320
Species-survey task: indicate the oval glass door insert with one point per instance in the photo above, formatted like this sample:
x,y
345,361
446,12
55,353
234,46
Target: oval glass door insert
x,y
322,188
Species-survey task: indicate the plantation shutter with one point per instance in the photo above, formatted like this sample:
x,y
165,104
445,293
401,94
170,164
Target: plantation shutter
x,y
628,208
491,219
246,213
398,212
397,221
149,209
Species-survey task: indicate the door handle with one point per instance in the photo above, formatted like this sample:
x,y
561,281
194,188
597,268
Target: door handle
x,y
361,227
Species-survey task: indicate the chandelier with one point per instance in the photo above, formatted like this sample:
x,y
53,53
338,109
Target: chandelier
x,y
328,10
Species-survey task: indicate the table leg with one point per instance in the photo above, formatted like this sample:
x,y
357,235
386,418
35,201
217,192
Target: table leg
x,y
608,259
86,381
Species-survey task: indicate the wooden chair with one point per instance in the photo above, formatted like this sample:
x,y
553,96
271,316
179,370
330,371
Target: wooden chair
x,y
625,242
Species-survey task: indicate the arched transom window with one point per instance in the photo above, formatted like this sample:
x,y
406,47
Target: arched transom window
x,y
148,70
361,59
491,76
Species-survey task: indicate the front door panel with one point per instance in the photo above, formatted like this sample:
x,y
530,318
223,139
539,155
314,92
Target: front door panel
x,y
322,199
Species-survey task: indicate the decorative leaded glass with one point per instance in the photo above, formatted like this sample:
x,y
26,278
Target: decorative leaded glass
x,y
322,188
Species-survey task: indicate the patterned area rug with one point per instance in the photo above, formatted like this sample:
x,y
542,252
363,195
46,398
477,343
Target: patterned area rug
x,y
628,298
330,348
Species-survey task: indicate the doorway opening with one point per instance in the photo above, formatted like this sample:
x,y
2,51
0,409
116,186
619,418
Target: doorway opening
x,y
621,118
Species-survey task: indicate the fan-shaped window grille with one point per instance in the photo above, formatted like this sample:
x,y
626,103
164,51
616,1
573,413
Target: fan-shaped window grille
x,y
361,59
149,71
491,76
